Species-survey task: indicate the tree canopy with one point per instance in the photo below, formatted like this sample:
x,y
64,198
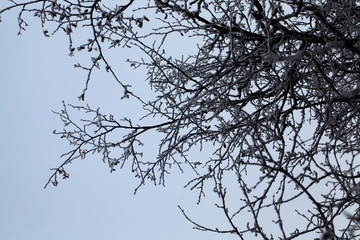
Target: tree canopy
x,y
272,89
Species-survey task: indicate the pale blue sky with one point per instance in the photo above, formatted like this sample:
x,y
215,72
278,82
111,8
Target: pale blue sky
x,y
36,75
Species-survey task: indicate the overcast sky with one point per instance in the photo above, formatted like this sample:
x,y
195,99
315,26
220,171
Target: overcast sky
x,y
36,75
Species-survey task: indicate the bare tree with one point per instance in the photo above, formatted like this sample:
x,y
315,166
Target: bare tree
x,y
273,89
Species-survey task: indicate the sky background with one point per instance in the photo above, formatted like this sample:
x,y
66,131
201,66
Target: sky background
x,y
36,75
